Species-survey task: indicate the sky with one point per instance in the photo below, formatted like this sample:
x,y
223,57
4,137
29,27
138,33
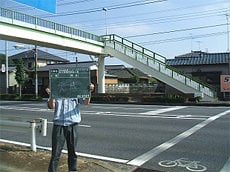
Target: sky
x,y
167,27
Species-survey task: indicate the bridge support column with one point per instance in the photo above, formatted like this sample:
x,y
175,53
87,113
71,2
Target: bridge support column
x,y
101,74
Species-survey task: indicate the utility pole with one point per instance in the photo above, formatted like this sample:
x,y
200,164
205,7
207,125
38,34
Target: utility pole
x,y
227,15
7,77
36,72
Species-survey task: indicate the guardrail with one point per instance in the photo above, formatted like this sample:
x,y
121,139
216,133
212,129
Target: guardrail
x,y
49,25
134,47
36,124
156,62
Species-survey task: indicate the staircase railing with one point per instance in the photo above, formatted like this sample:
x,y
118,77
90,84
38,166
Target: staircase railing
x,y
46,25
156,62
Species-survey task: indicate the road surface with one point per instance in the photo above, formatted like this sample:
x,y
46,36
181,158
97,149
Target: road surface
x,y
164,138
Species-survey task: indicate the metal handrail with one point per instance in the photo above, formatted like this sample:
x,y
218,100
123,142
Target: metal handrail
x,y
39,22
129,49
40,124
135,47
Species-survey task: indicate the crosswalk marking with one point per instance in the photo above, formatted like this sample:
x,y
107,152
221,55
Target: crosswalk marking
x,y
154,112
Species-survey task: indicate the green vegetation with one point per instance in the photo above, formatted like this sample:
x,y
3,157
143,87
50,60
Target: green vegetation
x,y
20,74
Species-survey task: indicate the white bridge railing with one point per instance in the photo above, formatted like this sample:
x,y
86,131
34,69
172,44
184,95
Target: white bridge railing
x,y
156,62
34,125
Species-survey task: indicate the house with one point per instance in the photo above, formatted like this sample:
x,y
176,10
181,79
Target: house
x,y
43,58
207,67
11,80
28,57
126,74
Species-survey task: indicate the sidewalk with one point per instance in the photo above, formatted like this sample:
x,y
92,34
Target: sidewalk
x,y
21,159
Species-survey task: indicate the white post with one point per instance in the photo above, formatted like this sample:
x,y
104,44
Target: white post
x,y
44,127
33,136
101,74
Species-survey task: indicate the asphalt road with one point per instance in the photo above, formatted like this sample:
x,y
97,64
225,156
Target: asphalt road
x,y
164,138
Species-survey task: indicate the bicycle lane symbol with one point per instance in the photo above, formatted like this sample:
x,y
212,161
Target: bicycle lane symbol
x,y
184,162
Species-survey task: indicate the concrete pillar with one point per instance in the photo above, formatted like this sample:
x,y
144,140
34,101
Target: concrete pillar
x,y
101,74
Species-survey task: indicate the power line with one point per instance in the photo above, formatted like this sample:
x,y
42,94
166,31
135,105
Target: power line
x,y
177,30
181,38
73,2
164,19
114,7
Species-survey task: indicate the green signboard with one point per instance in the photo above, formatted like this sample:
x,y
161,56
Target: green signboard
x,y
69,82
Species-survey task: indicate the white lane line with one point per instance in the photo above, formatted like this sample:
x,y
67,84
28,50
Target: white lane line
x,y
154,112
226,167
140,160
26,109
65,151
138,115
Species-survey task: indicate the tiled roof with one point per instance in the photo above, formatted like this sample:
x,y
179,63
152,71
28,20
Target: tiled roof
x,y
123,72
40,55
200,58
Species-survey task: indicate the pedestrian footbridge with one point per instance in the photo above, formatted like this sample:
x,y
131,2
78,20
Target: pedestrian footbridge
x,y
20,27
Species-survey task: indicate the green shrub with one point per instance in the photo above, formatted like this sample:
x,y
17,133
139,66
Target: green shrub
x,y
17,97
164,99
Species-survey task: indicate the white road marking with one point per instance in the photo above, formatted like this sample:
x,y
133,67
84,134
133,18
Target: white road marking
x,y
140,160
140,115
65,151
27,109
226,167
150,114
154,112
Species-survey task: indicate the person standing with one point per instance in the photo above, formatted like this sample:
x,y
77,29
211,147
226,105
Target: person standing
x,y
66,119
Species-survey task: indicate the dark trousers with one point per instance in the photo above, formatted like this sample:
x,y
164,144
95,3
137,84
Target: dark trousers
x,y
60,134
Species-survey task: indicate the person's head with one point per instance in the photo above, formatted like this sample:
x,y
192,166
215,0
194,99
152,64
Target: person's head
x,y
91,87
47,90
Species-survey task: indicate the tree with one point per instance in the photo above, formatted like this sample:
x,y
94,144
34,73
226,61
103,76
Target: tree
x,y
20,75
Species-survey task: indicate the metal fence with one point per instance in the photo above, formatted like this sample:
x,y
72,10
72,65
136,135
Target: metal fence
x,y
34,125
36,22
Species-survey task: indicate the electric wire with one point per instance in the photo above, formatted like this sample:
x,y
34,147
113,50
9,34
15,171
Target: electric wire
x,y
93,10
176,39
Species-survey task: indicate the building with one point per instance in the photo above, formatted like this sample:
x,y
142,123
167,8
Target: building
x,y
28,57
43,58
207,67
11,80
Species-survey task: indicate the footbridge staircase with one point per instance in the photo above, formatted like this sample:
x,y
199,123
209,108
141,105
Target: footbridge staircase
x,y
29,29
155,65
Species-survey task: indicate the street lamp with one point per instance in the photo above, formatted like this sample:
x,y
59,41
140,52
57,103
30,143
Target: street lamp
x,y
19,46
106,29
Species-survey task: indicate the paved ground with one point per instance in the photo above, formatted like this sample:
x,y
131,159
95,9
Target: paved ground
x,y
21,159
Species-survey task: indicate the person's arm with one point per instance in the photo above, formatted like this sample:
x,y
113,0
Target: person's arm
x,y
50,102
91,88
87,101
